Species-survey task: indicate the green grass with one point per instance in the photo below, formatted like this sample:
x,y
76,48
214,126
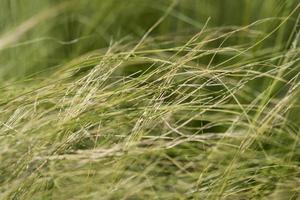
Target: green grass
x,y
138,99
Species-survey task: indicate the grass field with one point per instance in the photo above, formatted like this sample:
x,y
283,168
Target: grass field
x,y
150,99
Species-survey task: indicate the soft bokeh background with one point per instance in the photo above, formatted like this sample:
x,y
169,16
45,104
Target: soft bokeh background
x,y
82,26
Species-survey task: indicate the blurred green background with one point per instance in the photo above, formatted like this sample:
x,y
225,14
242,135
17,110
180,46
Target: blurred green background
x,y
85,25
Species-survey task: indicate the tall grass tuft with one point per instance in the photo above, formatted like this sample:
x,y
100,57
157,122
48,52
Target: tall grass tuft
x,y
158,99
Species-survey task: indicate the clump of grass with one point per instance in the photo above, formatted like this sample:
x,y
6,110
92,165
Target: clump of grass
x,y
210,113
